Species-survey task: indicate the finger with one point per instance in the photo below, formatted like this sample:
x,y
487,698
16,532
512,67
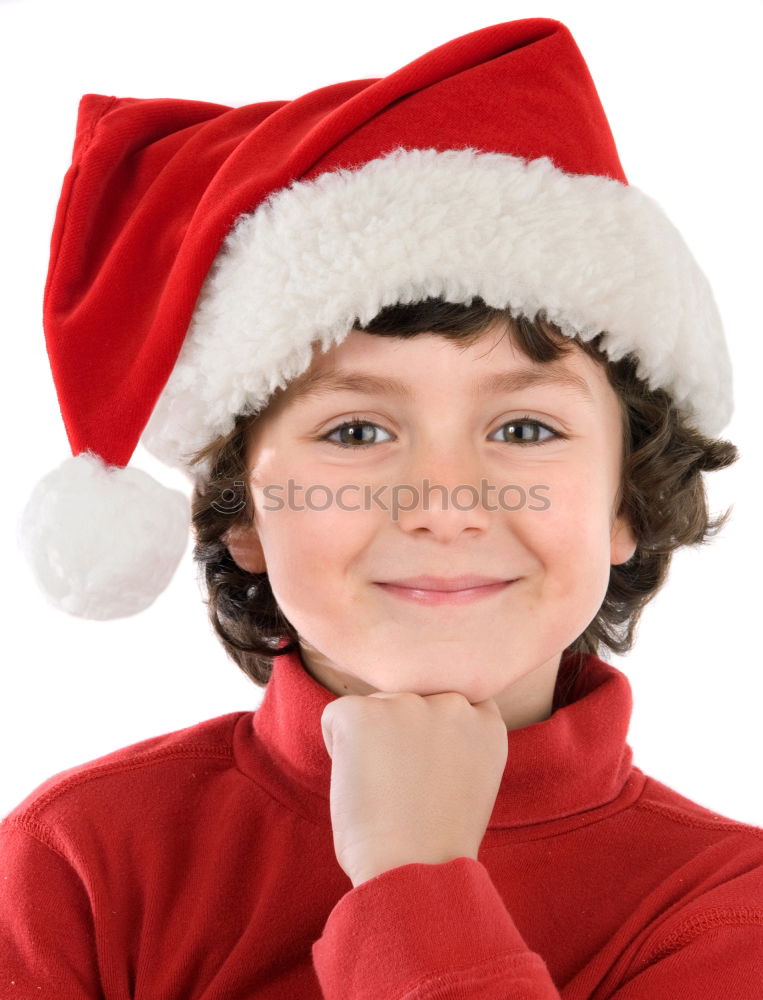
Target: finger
x,y
490,704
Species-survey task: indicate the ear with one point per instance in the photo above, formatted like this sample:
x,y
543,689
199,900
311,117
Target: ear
x,y
622,541
245,549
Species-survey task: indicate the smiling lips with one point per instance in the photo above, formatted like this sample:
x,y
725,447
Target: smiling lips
x,y
432,590
446,582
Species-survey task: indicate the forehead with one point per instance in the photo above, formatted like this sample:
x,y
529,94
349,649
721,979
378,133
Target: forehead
x,y
402,367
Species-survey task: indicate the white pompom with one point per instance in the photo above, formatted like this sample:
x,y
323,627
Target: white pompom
x,y
103,542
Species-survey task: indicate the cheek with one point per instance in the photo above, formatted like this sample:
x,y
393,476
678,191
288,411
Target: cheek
x,y
310,543
571,537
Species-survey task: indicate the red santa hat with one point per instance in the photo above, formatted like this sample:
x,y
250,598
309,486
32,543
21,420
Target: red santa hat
x,y
199,251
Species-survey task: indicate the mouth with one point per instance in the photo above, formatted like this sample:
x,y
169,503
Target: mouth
x,y
427,582
431,597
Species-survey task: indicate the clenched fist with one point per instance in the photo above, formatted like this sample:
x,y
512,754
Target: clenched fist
x,y
413,778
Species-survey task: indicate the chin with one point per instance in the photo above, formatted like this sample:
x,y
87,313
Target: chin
x,y
429,682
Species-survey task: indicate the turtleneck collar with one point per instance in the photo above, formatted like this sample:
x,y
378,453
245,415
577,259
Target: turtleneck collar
x,y
558,769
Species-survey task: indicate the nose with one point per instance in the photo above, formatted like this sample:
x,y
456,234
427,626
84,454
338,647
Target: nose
x,y
445,491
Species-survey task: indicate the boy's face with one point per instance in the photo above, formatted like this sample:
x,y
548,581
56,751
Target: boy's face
x,y
552,531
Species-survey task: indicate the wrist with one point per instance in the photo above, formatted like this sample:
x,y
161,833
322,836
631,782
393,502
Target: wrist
x,y
371,871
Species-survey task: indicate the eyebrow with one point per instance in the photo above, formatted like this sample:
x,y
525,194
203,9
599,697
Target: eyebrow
x,y
322,383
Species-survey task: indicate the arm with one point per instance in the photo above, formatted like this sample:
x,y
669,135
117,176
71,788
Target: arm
x,y
47,940
442,932
719,955
428,931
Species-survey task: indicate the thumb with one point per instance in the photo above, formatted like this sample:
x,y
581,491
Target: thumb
x,y
326,729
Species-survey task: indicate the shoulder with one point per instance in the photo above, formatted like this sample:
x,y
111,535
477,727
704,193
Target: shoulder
x,y
129,774
717,861
670,807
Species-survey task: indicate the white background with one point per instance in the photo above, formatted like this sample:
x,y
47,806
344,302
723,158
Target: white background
x,y
680,87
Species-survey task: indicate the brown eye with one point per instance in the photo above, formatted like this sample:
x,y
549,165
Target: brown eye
x,y
528,430
353,434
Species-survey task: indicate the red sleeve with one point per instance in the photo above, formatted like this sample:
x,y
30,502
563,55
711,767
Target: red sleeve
x,y
431,932
428,931
47,942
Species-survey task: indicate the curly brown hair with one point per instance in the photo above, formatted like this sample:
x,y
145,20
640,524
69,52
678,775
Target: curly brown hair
x,y
662,492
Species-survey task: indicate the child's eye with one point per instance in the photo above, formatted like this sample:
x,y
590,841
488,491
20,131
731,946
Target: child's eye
x,y
524,422
364,441
361,440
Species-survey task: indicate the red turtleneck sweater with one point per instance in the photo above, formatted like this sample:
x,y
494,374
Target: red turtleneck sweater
x,y
199,865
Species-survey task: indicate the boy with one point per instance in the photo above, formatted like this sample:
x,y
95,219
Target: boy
x,y
435,797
